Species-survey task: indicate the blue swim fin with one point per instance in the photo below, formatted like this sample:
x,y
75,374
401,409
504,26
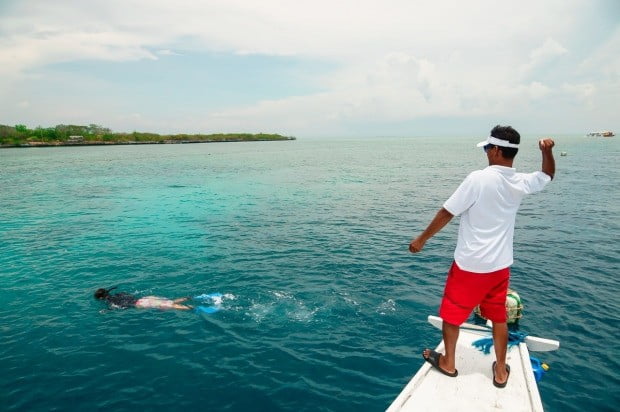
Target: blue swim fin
x,y
206,309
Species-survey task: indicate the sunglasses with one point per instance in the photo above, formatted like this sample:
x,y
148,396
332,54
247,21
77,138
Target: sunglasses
x,y
487,147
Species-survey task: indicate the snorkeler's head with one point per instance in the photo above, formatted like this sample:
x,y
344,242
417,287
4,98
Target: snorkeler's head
x,y
101,293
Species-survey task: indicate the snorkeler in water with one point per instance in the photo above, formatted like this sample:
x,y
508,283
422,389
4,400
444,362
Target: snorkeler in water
x,y
124,300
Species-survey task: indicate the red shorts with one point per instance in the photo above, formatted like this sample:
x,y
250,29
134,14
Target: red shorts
x,y
465,290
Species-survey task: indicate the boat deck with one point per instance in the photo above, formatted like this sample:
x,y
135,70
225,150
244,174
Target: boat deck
x,y
472,389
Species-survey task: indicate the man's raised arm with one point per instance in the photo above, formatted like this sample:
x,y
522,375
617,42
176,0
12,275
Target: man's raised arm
x,y
548,162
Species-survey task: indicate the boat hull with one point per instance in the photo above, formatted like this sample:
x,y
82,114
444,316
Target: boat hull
x,y
472,389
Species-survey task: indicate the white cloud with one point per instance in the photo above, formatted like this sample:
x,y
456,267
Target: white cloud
x,y
167,52
396,59
584,90
349,29
605,57
550,48
23,52
543,54
397,88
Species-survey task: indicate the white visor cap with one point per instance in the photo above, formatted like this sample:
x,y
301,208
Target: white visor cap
x,y
497,142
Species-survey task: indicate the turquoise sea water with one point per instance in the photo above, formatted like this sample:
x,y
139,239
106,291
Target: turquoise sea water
x,y
324,308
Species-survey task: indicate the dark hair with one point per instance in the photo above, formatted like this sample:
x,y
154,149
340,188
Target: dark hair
x,y
509,134
101,293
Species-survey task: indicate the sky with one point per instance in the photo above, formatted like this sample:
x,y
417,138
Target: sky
x,y
312,68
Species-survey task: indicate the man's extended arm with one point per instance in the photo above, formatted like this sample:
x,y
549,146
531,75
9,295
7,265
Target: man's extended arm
x,y
548,162
439,221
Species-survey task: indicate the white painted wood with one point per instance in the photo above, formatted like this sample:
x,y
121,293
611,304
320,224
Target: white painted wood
x,y
472,390
534,344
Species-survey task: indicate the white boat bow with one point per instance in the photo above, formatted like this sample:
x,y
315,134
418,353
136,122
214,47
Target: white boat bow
x,y
473,390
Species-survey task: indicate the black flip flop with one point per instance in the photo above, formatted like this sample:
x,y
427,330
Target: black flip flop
x,y
433,359
496,383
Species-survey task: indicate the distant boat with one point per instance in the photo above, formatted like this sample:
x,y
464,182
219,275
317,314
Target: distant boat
x,y
602,133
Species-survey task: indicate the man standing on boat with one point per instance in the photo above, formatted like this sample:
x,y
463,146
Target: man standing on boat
x,y
487,201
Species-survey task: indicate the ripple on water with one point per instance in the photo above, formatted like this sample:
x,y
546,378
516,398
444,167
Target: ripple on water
x,y
324,307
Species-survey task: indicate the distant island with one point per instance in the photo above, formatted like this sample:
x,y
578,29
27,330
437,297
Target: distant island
x,y
74,135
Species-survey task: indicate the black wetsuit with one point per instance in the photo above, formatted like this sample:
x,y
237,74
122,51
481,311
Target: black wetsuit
x,y
121,300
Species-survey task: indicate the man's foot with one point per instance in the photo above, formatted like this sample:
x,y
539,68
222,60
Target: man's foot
x,y
434,358
503,382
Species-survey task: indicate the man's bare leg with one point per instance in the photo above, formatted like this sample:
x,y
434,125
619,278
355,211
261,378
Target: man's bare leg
x,y
500,342
450,333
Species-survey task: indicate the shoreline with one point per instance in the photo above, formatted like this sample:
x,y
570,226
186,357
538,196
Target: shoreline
x,y
149,142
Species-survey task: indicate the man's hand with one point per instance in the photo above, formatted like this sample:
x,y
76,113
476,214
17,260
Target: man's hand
x,y
548,163
546,144
439,221
416,245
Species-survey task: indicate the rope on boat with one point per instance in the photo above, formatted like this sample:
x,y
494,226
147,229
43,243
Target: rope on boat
x,y
484,344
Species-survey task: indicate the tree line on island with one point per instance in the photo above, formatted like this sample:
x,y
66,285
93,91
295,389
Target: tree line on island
x,y
64,135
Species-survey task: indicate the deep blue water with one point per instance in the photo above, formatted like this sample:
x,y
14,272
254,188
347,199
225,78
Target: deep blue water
x,y
325,308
